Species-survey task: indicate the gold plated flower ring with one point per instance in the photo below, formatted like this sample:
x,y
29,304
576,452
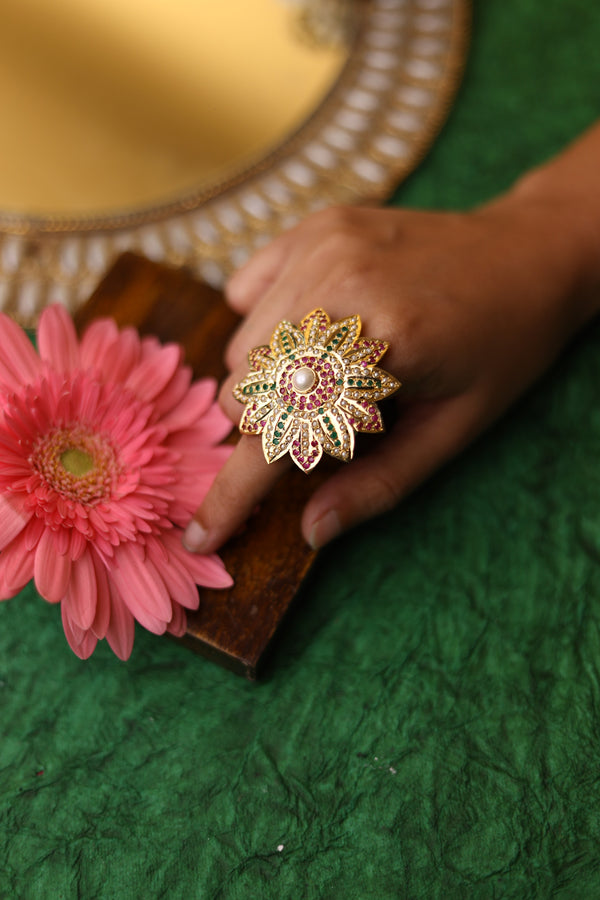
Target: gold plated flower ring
x,y
312,387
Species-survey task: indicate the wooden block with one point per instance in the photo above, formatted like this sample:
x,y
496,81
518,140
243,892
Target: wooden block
x,y
268,561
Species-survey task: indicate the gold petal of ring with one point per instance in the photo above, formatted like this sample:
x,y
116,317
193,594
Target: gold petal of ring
x,y
312,387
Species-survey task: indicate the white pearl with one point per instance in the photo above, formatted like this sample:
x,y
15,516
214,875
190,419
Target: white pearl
x,y
303,380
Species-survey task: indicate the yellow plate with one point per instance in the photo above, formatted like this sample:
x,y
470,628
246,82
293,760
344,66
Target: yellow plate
x,y
110,105
194,131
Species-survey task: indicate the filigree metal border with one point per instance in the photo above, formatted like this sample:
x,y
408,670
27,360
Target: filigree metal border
x,y
365,138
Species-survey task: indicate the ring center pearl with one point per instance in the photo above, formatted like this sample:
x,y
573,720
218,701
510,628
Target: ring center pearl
x,y
303,380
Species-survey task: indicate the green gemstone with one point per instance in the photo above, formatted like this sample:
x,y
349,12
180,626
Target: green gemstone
x,y
359,383
337,443
340,381
284,415
320,410
290,409
276,434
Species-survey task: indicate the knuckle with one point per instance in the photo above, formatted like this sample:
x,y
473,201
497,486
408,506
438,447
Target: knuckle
x,y
356,273
337,218
385,492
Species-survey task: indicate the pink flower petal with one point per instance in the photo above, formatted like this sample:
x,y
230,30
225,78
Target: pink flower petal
x,y
82,592
16,568
77,544
122,357
82,642
103,600
188,495
97,338
51,570
111,354
210,571
205,461
178,623
62,537
207,571
87,398
213,427
152,375
57,340
179,581
194,405
13,520
19,363
32,534
141,615
141,587
121,629
174,393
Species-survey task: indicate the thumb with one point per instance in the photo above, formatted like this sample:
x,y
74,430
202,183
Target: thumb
x,y
428,434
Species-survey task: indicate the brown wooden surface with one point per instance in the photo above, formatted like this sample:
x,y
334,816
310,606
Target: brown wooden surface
x,y
269,559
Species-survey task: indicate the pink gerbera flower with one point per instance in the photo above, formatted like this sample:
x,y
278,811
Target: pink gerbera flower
x,y
106,449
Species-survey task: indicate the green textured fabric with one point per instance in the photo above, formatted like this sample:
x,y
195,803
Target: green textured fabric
x,y
429,724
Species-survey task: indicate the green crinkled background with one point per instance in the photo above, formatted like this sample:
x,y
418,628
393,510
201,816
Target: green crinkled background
x,y
429,724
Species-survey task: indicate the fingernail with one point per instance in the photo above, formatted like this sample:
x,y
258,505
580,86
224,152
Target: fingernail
x,y
194,536
325,529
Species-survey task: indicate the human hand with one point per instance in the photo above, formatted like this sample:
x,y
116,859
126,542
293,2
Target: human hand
x,y
474,306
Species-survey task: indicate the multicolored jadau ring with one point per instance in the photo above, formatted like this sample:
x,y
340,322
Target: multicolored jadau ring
x,y
312,387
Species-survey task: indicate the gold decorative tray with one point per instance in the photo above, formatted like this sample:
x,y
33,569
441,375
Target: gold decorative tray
x,y
192,133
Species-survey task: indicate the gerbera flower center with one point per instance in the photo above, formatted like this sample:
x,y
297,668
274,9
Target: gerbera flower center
x,y
77,463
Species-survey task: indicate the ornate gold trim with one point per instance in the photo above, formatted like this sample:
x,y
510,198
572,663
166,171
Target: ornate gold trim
x,y
370,132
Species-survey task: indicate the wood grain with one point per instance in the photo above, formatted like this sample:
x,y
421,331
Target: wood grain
x,y
269,559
